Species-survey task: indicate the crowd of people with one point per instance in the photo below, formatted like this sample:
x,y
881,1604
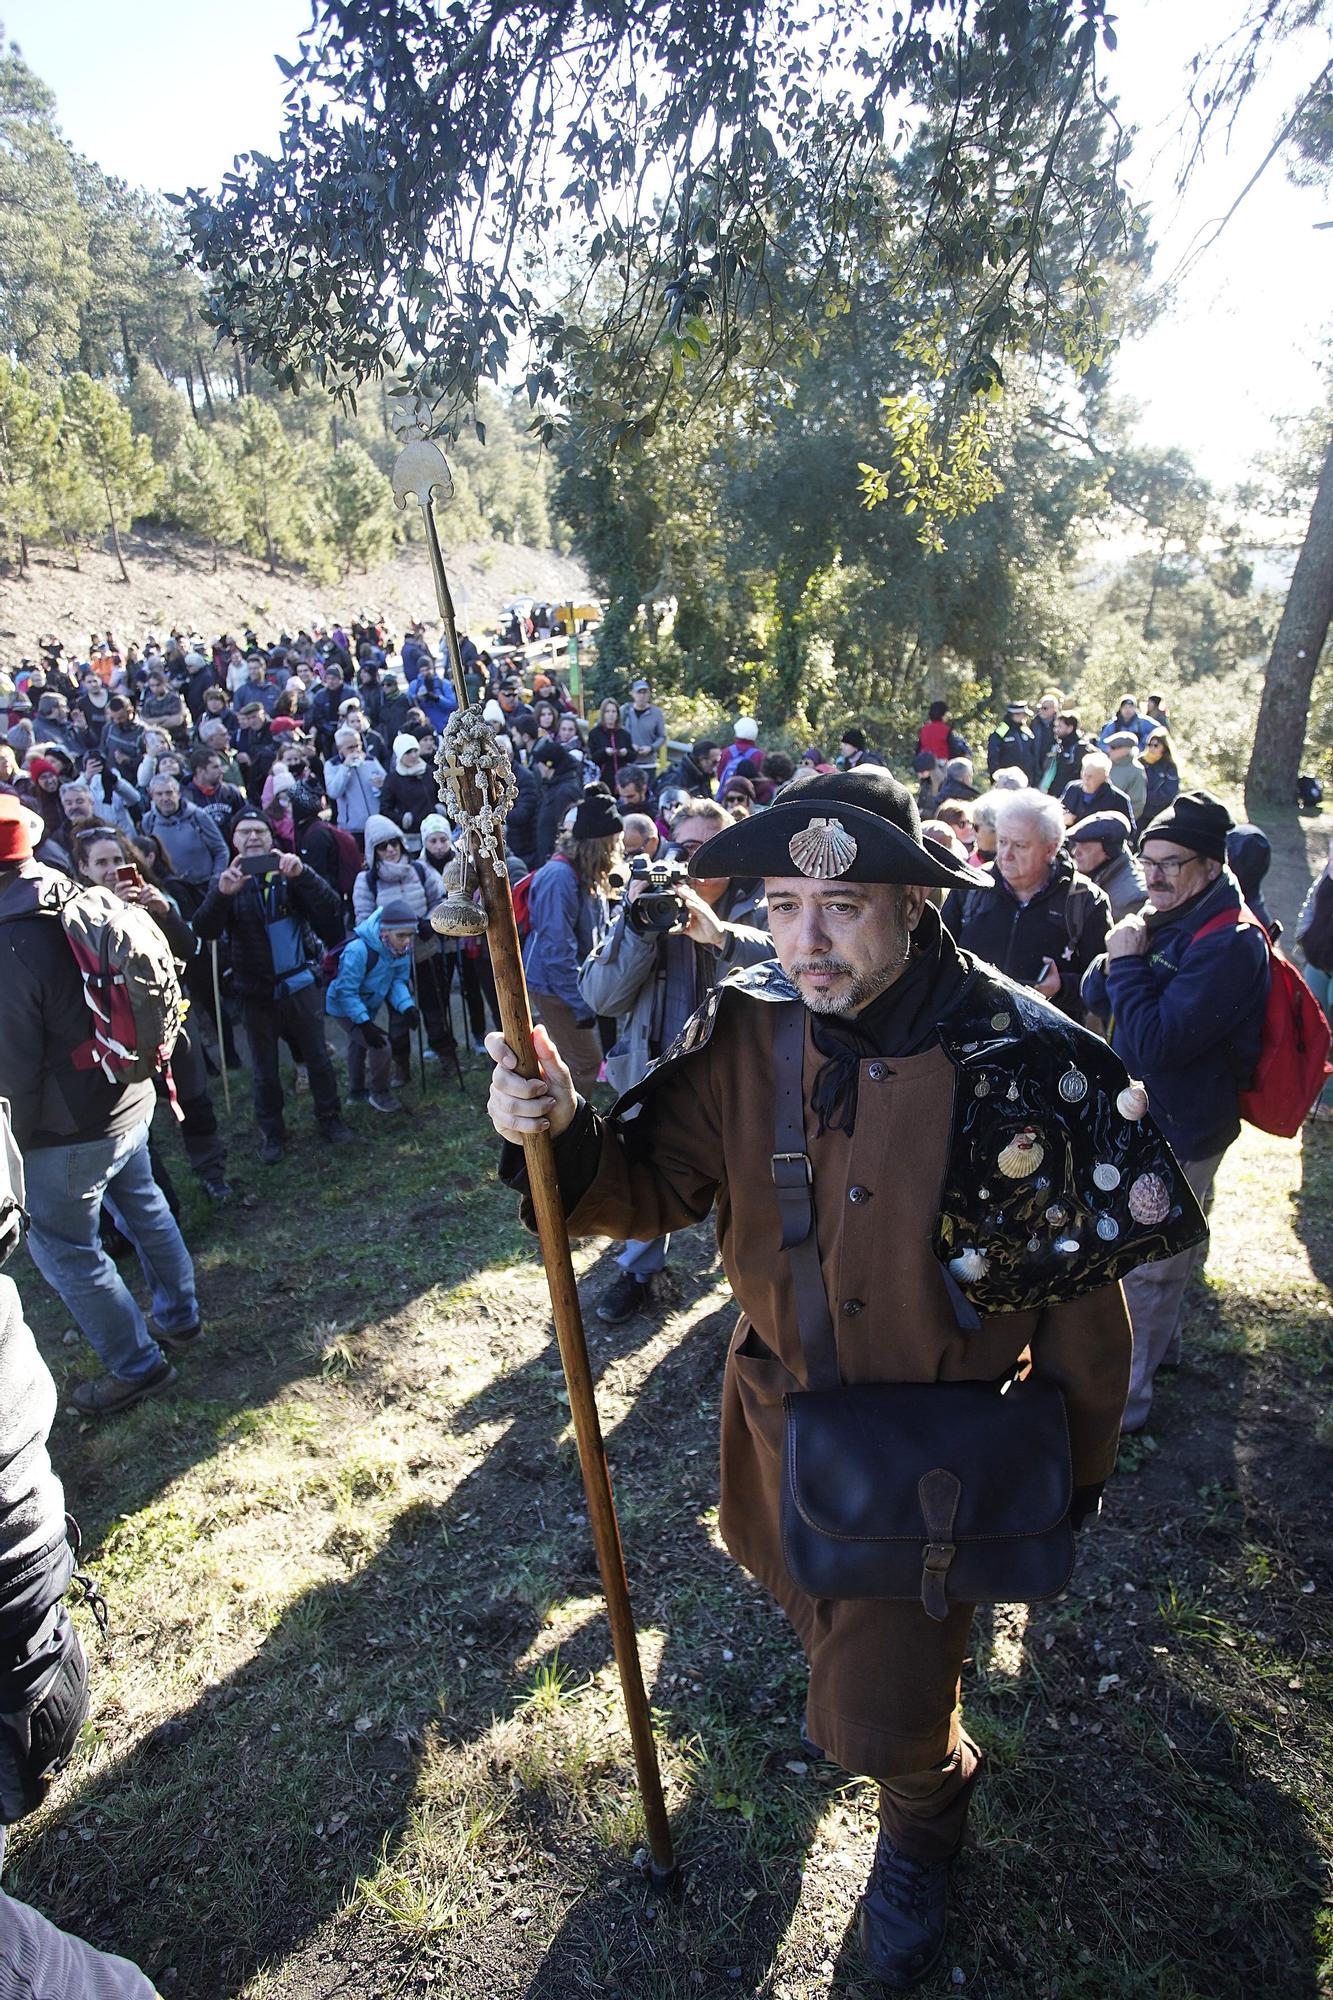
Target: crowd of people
x,y
274,810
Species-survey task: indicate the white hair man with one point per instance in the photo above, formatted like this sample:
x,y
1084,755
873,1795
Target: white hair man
x,y
1047,922
1093,792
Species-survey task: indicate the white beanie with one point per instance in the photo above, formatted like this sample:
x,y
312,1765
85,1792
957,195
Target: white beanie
x,y
283,781
494,714
405,746
747,729
435,823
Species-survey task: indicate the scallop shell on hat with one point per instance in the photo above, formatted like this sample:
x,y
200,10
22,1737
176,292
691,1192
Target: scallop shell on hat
x,y
823,849
1022,1156
969,1265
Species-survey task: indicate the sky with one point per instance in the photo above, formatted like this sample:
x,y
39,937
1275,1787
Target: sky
x,y
164,95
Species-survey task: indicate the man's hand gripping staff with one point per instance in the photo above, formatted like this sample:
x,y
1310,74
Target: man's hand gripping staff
x,y
477,784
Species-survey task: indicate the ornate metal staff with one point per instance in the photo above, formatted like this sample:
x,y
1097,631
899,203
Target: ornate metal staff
x,y
477,782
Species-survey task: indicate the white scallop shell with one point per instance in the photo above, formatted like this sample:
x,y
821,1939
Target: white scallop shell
x,y
1022,1156
822,849
1132,1102
969,1265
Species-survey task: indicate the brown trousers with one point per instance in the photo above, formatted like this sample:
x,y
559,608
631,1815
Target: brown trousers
x,y
924,1814
580,1047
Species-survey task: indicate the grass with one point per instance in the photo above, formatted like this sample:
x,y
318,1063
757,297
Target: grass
x,y
357,1729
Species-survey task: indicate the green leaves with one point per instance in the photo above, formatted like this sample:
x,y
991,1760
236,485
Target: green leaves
x,y
519,158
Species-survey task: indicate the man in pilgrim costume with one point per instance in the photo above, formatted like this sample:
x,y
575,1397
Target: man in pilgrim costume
x,y
982,1173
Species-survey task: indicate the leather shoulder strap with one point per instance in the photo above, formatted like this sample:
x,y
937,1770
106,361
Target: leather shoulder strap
x,y
793,1178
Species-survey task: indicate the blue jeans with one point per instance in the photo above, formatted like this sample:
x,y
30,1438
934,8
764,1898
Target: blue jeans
x,y
66,1186
644,1257
1319,984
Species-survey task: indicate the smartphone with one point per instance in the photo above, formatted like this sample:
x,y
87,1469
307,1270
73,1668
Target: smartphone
x,y
127,877
260,864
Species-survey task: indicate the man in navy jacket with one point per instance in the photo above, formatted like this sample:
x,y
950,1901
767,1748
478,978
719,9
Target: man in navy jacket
x,y
1188,1019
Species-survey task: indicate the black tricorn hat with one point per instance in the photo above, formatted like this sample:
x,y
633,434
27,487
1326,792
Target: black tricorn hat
x,y
848,826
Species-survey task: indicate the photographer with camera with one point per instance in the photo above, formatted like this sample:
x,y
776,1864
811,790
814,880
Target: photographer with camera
x,y
671,941
268,904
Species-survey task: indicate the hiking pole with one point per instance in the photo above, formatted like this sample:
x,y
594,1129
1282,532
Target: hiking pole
x,y
415,984
477,780
222,1032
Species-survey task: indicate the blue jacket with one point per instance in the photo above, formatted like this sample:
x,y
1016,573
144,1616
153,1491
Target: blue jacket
x,y
565,922
368,975
433,693
1188,1018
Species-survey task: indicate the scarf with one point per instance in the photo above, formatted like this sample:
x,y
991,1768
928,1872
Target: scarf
x,y
900,1022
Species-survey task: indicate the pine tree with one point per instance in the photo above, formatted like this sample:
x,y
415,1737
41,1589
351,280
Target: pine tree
x,y
45,274
200,493
358,508
121,463
28,434
275,488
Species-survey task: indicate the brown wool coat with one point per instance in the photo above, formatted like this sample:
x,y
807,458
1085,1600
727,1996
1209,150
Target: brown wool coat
x,y
883,1676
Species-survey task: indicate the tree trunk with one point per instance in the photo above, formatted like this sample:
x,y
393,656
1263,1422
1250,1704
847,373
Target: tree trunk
x,y
23,555
1147,628
207,386
1279,737
189,390
115,532
127,348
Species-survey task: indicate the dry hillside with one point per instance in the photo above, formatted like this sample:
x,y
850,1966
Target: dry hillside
x,y
172,582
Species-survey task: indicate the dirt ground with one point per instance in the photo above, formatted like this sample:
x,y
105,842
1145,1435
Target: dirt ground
x,y
357,1731
172,583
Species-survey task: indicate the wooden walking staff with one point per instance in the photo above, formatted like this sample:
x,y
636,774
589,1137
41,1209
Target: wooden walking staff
x,y
478,785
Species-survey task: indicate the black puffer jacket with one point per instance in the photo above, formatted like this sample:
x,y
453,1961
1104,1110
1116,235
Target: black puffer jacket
x,y
246,916
563,789
1066,921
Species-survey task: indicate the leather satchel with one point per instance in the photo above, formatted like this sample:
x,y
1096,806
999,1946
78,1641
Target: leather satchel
x,y
949,1492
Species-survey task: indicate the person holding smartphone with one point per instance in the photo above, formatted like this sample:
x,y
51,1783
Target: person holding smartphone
x,y
1046,923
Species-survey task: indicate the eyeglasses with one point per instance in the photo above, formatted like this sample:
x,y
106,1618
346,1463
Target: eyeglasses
x,y
685,850
1168,870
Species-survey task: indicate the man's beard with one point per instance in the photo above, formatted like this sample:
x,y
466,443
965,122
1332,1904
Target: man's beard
x,y
863,987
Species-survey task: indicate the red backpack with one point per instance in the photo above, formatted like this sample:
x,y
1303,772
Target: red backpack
x,y
522,895
350,859
1293,1049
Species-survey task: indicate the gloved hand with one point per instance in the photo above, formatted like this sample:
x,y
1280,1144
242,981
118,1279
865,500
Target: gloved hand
x,y
43,1701
409,1018
424,928
372,1035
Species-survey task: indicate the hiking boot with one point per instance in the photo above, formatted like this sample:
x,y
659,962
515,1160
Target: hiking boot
x,y
623,1297
336,1133
183,1336
217,1187
108,1394
901,1919
271,1150
387,1105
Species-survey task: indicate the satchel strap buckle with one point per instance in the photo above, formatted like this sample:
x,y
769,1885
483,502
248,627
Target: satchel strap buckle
x,y
792,1170
935,1560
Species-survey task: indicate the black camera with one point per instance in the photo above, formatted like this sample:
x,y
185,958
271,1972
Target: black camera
x,y
658,906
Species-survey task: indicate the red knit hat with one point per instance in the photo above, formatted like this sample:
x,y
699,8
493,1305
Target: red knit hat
x,y
38,767
281,724
15,836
